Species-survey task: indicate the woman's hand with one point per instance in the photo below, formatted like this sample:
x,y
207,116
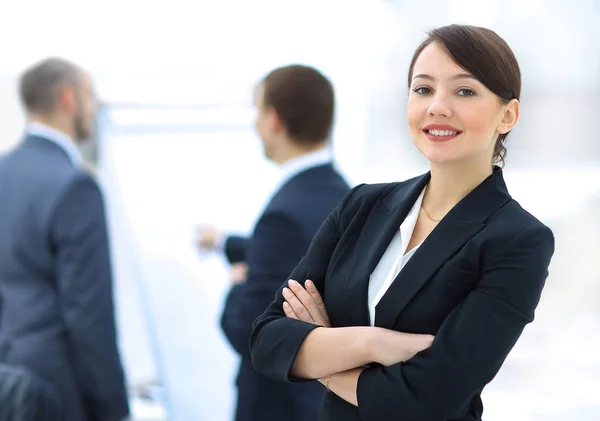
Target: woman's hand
x,y
389,347
305,304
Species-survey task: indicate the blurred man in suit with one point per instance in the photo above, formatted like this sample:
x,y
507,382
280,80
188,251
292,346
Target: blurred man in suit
x,y
56,303
295,106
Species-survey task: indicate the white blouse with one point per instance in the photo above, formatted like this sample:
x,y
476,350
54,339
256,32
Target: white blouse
x,y
394,259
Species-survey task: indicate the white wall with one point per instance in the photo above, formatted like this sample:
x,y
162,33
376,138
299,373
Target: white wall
x,y
12,117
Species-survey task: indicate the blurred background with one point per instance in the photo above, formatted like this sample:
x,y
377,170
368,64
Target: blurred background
x,y
176,147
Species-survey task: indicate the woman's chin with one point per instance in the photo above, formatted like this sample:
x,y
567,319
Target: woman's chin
x,y
442,159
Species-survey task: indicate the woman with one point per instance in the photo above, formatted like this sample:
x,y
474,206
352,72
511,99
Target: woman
x,y
428,283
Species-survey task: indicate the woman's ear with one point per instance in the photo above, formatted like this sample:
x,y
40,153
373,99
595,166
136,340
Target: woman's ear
x,y
510,116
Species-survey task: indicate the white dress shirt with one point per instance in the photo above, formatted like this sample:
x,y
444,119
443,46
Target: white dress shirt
x,y
302,163
394,259
60,138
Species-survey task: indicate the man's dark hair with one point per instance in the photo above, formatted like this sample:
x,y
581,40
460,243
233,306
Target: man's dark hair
x,y
304,100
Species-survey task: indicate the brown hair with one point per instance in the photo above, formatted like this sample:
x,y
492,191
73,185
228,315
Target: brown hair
x,y
485,55
304,100
40,83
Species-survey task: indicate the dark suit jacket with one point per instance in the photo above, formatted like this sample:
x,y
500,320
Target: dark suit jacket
x,y
23,397
57,317
474,283
280,238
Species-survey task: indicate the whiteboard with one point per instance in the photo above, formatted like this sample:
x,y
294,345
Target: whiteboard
x,y
160,181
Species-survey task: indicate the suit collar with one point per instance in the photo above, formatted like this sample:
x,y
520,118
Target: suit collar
x,y
317,171
464,221
60,139
42,144
306,161
312,175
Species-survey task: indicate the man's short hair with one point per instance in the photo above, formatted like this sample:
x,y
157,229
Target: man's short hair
x,y
40,84
304,100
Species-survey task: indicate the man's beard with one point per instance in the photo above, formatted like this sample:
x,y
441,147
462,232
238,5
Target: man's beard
x,y
82,131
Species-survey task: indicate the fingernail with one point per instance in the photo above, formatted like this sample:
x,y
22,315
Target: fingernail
x,y
285,304
286,291
292,282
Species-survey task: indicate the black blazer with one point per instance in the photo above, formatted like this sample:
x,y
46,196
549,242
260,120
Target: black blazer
x,y
280,238
474,283
56,303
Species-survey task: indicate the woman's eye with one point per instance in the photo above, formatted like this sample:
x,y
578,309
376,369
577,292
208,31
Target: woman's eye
x,y
466,92
422,90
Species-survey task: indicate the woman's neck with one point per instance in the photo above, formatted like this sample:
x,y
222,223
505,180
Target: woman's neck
x,y
450,183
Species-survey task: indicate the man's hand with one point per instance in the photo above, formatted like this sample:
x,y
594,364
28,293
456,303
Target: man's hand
x,y
239,273
305,304
207,237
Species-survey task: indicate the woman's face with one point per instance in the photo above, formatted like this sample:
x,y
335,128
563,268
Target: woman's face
x,y
453,117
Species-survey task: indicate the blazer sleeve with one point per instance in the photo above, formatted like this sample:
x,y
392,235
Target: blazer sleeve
x,y
235,249
84,281
277,245
472,343
276,339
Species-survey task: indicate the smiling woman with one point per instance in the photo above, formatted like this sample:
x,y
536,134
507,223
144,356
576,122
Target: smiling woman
x,y
482,78
419,290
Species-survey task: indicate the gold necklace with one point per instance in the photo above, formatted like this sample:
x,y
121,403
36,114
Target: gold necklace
x,y
428,214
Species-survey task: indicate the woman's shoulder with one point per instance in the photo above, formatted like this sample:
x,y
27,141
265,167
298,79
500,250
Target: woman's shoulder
x,y
371,192
367,194
513,227
515,219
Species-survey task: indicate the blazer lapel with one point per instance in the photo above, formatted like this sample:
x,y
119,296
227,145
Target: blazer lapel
x,y
464,221
377,233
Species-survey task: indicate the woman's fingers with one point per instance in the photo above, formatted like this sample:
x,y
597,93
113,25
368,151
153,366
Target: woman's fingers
x,y
289,312
307,300
299,309
314,293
